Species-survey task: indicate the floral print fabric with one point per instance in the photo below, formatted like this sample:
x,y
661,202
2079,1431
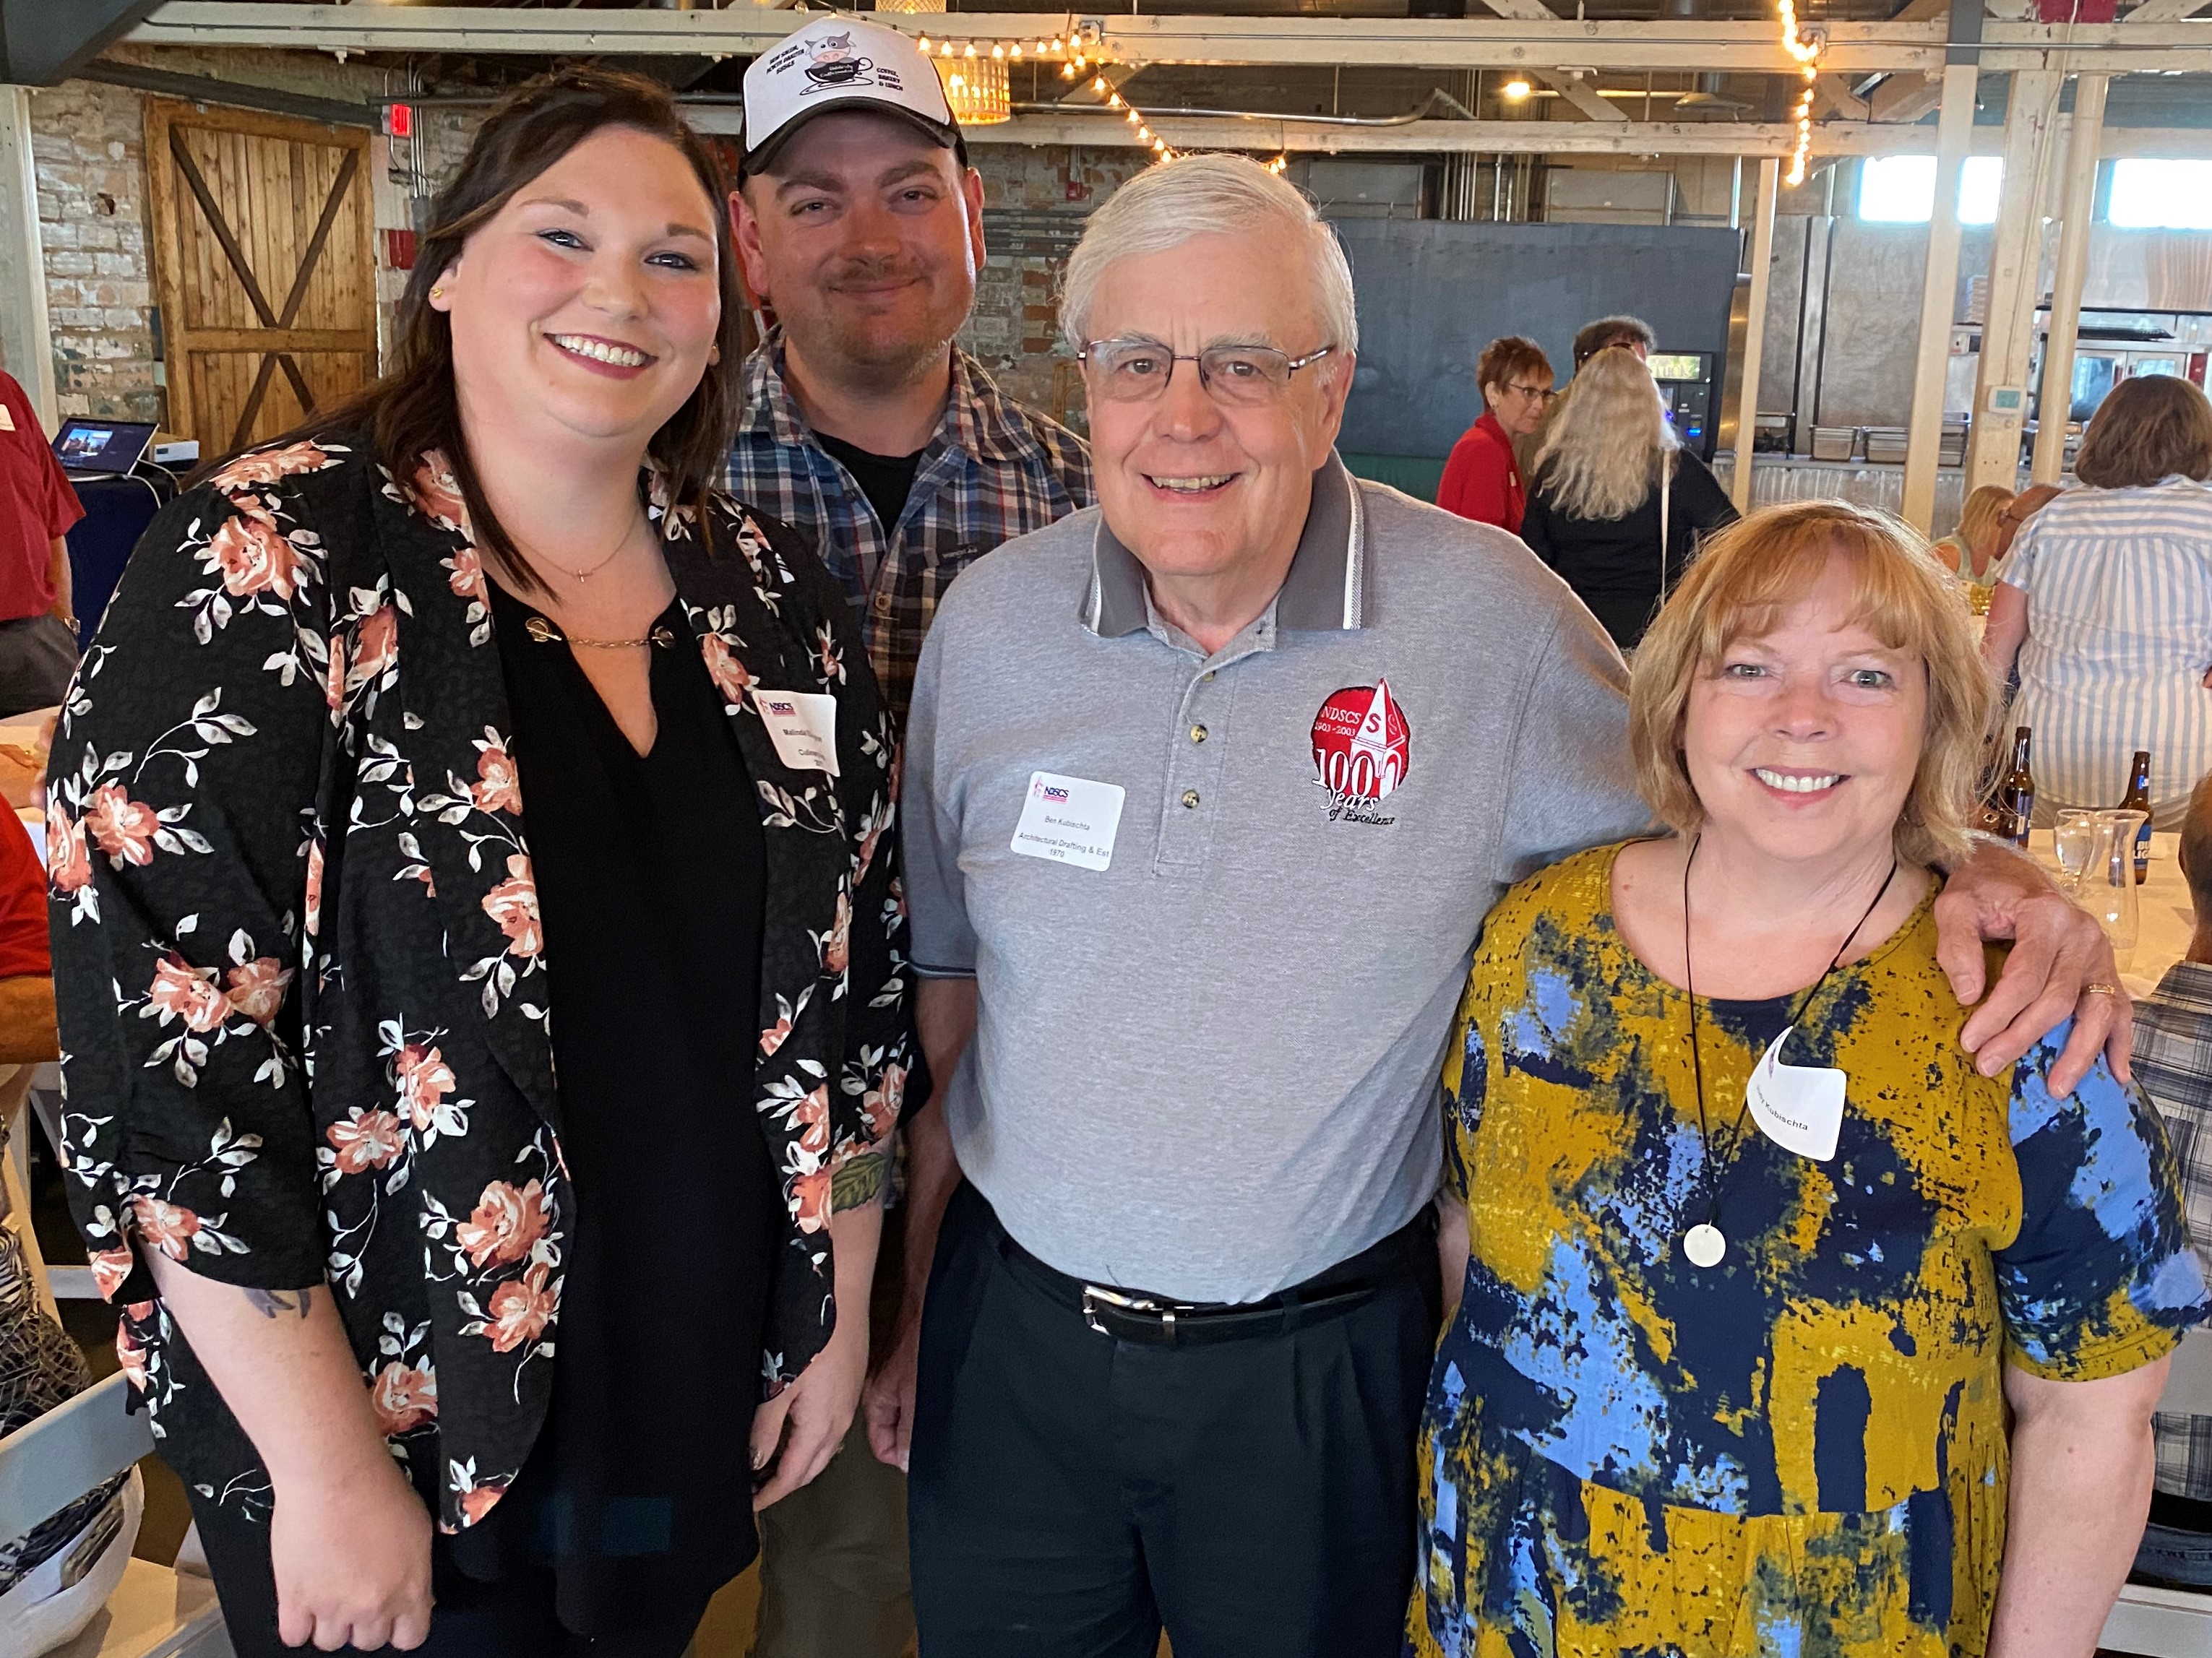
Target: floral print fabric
x,y
1803,1448
301,973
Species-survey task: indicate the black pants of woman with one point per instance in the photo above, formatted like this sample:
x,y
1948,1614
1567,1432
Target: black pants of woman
x,y
511,1618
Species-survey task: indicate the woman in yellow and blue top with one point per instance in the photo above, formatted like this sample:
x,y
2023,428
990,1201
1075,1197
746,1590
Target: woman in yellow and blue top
x,y
1758,1261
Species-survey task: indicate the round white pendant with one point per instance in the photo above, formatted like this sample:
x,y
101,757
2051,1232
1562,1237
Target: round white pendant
x,y
1704,1244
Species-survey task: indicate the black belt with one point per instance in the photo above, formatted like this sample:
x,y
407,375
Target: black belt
x,y
1160,1321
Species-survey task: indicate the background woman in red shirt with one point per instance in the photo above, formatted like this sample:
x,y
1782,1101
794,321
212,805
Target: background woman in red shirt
x,y
37,630
1482,480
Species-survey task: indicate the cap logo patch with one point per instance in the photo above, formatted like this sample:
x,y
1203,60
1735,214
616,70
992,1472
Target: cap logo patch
x,y
833,61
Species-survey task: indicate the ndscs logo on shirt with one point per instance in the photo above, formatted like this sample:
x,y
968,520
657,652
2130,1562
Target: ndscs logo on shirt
x,y
1362,749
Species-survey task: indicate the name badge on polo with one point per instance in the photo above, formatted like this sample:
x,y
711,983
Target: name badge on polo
x,y
1069,820
803,725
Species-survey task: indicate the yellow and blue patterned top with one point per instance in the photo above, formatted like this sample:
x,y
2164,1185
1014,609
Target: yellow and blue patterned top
x,y
1803,1448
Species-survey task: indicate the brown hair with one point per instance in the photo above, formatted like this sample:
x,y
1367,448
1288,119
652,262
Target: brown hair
x,y
2149,426
1744,579
1503,359
414,410
1595,336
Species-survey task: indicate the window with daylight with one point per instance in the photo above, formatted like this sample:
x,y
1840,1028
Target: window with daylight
x,y
2150,194
1901,189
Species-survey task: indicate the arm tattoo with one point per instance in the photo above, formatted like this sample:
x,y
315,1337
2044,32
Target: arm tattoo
x,y
273,1303
859,1181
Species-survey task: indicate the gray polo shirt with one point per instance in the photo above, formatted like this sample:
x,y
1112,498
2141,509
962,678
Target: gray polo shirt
x,y
1210,1070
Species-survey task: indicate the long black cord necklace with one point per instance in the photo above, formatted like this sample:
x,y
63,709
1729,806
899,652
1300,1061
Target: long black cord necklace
x,y
1706,1243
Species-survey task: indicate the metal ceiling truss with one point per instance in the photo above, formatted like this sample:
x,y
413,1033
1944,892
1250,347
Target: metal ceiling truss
x,y
1525,43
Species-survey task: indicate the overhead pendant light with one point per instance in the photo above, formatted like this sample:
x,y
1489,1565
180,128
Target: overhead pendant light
x,y
977,89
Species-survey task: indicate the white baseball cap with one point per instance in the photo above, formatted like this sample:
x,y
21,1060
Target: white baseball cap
x,y
841,63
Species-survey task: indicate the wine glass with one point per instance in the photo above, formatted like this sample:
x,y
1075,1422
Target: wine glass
x,y
2074,838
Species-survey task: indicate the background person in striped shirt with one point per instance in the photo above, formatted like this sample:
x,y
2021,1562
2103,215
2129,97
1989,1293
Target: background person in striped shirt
x,y
2106,602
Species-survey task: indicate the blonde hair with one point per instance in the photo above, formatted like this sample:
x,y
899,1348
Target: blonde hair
x,y
1745,578
1603,450
1978,518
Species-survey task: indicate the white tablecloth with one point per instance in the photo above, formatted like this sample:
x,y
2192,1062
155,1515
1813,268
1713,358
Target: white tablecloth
x,y
2169,917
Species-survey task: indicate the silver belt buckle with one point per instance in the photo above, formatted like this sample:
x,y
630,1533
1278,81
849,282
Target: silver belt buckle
x,y
1092,1296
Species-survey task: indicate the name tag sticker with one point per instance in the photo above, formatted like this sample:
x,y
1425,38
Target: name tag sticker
x,y
7,419
803,725
1069,820
1799,1107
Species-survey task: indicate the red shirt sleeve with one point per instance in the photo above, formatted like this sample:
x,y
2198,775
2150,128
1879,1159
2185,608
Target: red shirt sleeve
x,y
63,509
22,902
1475,480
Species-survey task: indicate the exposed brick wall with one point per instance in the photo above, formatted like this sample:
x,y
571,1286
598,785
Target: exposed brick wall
x,y
85,142
1034,202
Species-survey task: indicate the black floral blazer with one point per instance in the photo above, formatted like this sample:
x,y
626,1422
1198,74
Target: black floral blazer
x,y
300,973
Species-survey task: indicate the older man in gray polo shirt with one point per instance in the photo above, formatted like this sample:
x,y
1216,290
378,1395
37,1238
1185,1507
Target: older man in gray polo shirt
x,y
1208,792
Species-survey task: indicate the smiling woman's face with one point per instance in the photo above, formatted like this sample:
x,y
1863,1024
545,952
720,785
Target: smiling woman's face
x,y
1804,740
586,308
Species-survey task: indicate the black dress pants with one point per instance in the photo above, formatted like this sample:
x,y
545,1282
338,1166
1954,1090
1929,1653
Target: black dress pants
x,y
1069,1493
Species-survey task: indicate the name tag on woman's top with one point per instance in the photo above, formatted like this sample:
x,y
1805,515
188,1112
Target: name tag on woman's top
x,y
1799,1107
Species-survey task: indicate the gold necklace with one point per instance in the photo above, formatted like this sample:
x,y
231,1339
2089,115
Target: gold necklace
x,y
544,632
585,575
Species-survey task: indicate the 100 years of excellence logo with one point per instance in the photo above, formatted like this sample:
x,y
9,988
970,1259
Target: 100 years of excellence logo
x,y
1362,751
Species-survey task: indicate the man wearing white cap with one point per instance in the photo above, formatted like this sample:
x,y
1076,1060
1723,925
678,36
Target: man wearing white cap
x,y
864,424
860,223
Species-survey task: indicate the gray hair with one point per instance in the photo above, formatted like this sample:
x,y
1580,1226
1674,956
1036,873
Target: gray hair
x,y
1194,196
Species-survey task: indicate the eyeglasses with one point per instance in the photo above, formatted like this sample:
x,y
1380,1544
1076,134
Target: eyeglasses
x,y
1242,376
1541,393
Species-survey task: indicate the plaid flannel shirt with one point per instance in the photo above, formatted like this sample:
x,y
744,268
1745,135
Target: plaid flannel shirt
x,y
2173,1068
994,471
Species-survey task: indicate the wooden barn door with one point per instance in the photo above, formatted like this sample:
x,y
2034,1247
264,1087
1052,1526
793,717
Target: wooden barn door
x,y
264,253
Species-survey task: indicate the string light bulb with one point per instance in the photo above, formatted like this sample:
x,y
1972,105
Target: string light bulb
x,y
1517,89
923,42
1067,71
1804,47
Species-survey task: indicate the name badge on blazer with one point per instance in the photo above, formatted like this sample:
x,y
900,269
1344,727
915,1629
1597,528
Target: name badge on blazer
x,y
803,725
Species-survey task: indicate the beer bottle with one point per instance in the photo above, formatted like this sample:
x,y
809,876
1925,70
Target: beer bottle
x,y
2137,799
2017,794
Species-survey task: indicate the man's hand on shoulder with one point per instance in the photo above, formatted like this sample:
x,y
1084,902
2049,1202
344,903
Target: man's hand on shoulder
x,y
2061,966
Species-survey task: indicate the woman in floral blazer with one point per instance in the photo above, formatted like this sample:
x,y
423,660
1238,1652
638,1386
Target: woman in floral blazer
x,y
302,976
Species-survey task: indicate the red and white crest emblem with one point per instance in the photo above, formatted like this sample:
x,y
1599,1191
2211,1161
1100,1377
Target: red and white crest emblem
x,y
1362,745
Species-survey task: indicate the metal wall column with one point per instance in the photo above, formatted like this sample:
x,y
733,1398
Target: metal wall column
x,y
1938,297
27,344
1755,332
2057,403
2015,258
